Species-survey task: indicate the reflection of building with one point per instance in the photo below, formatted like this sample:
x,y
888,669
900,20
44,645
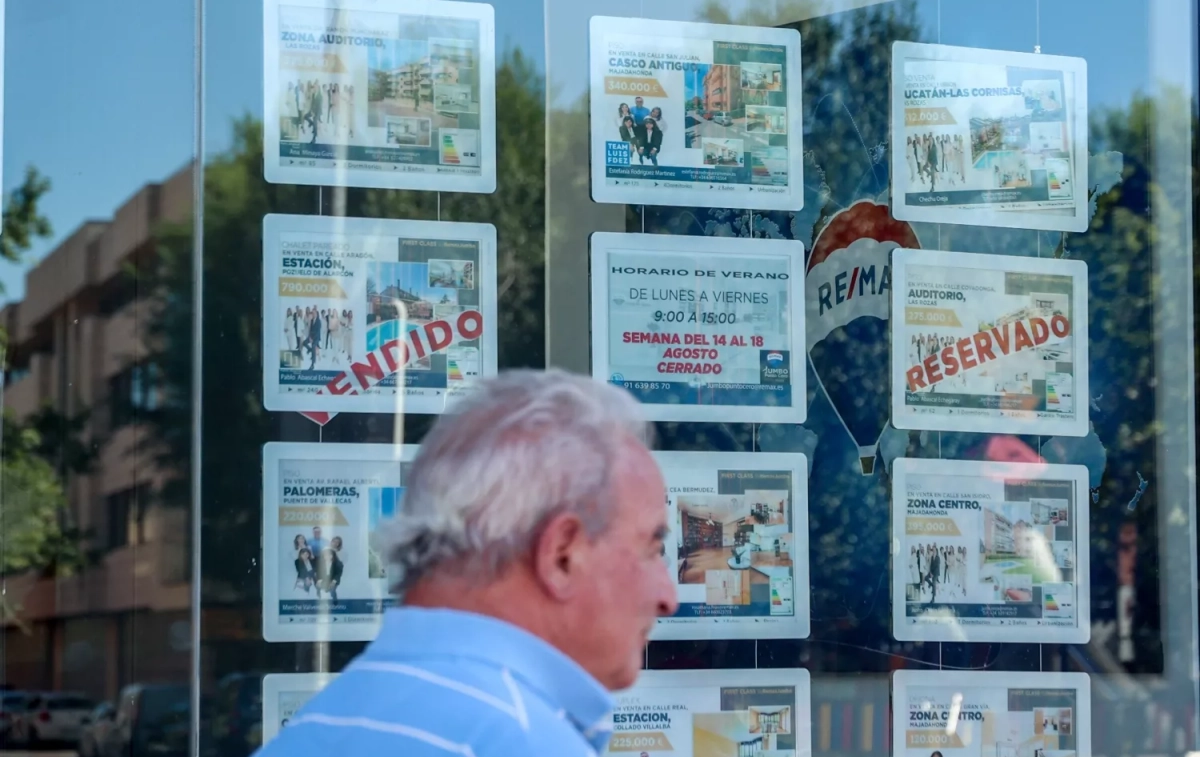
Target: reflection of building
x,y
722,89
997,534
76,343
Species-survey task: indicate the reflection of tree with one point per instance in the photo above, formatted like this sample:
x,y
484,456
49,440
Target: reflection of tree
x,y
37,453
235,200
23,222
37,533
846,60
1120,250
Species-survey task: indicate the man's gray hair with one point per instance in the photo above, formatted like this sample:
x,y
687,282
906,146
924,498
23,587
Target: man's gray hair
x,y
524,446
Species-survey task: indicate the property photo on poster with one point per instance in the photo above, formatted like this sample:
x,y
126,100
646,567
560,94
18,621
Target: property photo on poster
x,y
701,328
740,552
989,343
938,713
695,114
323,576
372,315
283,694
988,551
989,138
391,94
714,713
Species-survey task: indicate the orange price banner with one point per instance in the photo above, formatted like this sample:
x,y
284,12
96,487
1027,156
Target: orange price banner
x,y
311,516
634,86
291,286
928,117
647,741
931,526
932,738
922,316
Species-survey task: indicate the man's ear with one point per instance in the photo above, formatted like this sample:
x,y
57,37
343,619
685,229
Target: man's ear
x,y
559,554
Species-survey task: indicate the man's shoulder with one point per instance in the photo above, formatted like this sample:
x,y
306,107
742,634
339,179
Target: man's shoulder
x,y
424,706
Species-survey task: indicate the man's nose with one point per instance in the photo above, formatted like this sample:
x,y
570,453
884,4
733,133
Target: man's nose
x,y
668,602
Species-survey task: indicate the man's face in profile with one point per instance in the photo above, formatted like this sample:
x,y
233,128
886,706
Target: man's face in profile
x,y
627,586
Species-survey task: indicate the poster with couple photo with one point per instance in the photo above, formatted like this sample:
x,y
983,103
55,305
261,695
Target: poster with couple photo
x,y
691,114
989,137
989,343
714,713
992,552
938,713
390,94
323,576
372,315
739,556
284,694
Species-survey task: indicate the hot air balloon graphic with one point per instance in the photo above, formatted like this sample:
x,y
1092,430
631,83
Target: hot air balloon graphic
x,y
848,286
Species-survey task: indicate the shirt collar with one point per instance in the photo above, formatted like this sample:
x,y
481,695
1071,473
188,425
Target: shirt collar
x,y
537,663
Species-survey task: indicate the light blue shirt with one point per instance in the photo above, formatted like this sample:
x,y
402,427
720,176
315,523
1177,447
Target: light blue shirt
x,y
442,682
639,114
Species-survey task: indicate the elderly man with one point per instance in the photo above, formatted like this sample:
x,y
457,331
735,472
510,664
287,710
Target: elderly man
x,y
528,558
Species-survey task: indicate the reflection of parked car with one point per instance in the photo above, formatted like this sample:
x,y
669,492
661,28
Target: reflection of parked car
x,y
12,706
236,729
151,720
52,718
96,732
722,118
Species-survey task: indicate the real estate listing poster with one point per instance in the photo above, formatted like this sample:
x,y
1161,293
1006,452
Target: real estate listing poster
x,y
323,579
391,94
375,316
714,713
989,138
989,343
987,551
695,115
986,714
701,328
283,694
740,555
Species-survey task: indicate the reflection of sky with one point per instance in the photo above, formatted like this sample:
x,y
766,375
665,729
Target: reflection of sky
x,y
50,42
149,80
